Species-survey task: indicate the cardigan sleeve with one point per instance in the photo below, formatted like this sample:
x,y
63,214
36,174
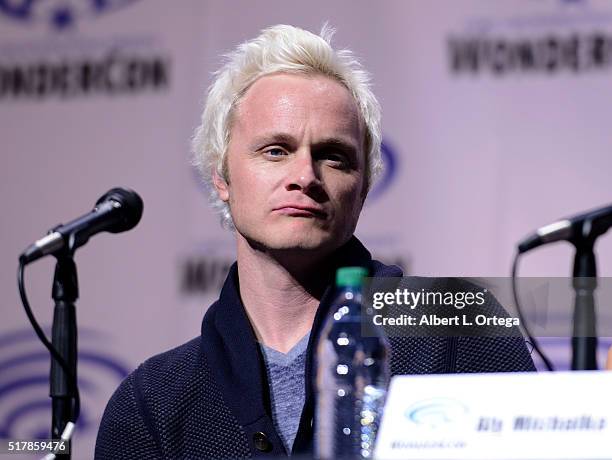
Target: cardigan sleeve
x,y
124,433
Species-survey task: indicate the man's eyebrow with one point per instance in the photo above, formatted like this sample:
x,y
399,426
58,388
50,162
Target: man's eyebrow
x,y
337,142
273,138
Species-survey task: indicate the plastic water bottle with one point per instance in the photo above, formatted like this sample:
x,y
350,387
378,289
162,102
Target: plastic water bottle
x,y
352,375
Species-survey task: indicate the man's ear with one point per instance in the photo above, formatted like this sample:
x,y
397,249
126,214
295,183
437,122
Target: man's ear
x,y
220,186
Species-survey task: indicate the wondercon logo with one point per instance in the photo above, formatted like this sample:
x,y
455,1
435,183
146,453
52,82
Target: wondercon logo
x,y
436,412
25,405
58,14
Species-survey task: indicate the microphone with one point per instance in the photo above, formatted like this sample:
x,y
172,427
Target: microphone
x,y
116,211
590,224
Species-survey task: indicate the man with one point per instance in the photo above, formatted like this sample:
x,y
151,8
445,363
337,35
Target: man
x,y
290,145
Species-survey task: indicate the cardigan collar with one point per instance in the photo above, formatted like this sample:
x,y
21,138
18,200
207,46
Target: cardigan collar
x,y
234,357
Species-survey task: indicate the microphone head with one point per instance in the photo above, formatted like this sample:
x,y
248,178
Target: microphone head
x,y
129,207
532,241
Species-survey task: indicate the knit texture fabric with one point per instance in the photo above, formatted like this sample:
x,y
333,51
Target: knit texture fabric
x,y
171,408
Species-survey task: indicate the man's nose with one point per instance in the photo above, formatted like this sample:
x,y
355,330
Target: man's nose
x,y
304,175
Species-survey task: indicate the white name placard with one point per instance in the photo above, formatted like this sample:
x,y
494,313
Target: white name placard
x,y
562,415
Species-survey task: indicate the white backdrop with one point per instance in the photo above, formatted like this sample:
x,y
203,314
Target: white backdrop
x,y
479,157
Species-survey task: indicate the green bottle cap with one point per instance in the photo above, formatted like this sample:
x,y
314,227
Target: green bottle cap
x,y
350,276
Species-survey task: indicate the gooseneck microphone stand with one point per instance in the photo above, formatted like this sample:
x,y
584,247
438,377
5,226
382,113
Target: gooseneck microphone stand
x,y
582,231
64,339
118,210
584,337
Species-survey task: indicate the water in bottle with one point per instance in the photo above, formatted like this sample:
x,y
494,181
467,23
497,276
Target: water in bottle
x,y
352,375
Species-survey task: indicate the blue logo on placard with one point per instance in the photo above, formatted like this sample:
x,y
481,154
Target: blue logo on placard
x,y
25,406
59,14
436,412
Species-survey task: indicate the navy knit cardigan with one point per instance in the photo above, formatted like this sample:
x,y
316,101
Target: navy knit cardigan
x,y
209,398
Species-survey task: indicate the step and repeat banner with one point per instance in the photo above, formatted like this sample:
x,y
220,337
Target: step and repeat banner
x,y
495,122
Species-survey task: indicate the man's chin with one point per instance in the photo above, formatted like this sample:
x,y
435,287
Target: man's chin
x,y
303,244
300,244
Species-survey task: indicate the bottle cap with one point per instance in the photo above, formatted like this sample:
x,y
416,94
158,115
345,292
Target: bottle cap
x,y
350,276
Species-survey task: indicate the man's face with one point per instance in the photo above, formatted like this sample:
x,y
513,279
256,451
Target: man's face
x,y
296,164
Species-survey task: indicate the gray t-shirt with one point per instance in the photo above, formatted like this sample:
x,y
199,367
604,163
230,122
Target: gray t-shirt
x,y
286,379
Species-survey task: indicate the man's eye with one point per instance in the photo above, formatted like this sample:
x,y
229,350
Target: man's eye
x,y
275,153
337,160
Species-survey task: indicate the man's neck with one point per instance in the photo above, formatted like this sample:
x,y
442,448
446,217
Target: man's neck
x,y
281,300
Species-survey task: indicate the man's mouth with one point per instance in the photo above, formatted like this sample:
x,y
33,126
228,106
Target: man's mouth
x,y
296,210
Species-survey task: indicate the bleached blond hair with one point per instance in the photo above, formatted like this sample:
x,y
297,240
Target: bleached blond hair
x,y
279,49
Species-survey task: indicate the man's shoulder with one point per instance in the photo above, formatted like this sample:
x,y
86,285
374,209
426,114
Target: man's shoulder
x,y
167,373
134,416
163,388
179,362
382,270
164,405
